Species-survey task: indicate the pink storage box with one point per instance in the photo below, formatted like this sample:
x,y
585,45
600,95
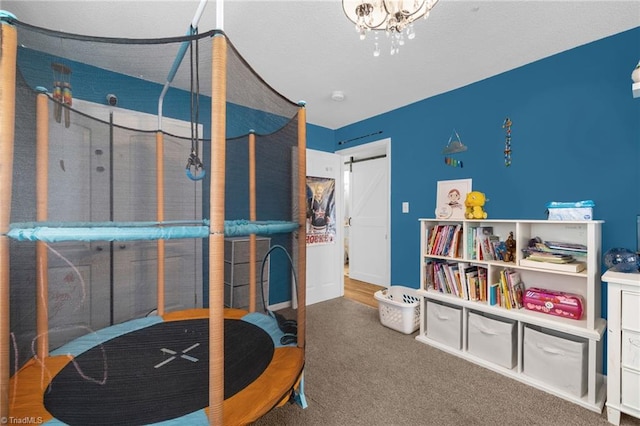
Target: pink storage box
x,y
551,302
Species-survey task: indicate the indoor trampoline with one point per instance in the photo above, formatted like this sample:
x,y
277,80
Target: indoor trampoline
x,y
112,252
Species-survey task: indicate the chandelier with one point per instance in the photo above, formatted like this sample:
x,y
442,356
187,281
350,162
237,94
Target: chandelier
x,y
395,17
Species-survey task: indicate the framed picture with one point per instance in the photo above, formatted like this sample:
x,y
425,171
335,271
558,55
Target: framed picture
x,y
450,198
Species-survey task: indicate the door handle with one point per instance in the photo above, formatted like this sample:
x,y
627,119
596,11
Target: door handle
x,y
349,222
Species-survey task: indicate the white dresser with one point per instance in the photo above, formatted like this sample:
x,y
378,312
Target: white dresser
x,y
623,345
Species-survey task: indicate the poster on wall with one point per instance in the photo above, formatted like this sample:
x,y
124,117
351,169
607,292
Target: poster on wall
x,y
321,212
450,198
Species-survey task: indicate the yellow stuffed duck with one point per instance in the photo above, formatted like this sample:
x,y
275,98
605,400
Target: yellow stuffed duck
x,y
474,203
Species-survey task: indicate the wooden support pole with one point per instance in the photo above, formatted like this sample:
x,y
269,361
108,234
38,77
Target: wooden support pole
x,y
42,206
252,217
302,219
160,217
216,237
8,48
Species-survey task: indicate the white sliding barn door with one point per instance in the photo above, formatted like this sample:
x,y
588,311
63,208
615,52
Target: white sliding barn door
x,y
369,244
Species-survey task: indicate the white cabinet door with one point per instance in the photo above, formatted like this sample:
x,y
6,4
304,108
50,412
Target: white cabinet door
x,y
78,191
134,184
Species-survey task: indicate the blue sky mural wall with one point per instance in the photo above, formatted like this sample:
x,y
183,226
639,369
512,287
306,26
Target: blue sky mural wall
x,y
575,136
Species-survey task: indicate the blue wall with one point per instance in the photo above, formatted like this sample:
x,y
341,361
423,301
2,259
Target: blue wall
x,y
575,136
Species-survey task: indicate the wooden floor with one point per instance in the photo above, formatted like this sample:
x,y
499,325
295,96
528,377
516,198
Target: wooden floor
x,y
360,291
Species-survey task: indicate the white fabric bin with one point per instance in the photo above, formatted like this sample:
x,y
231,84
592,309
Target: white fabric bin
x,y
557,359
444,324
492,339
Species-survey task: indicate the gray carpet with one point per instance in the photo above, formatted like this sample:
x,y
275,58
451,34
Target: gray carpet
x,y
359,372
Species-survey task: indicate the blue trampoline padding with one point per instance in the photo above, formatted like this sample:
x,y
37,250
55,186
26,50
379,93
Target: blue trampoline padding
x,y
129,231
197,418
55,235
84,343
240,228
268,324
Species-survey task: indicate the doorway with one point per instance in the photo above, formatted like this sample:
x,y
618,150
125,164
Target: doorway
x,y
367,243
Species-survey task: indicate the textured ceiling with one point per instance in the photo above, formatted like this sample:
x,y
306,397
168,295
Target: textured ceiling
x,y
306,49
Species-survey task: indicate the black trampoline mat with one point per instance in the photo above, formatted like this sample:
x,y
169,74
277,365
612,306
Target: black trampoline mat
x,y
154,374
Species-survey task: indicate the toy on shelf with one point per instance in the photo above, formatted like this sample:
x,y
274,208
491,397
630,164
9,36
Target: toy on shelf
x,y
510,252
474,204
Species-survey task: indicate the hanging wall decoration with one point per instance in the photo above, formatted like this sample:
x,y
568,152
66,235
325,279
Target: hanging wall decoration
x,y
454,146
507,142
62,92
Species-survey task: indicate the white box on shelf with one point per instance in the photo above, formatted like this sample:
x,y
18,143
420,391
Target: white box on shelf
x,y
399,308
444,324
555,358
492,339
579,210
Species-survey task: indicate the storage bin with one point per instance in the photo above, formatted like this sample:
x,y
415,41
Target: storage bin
x,y
492,339
557,359
444,324
399,308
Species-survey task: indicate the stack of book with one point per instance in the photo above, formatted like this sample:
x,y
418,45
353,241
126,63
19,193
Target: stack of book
x,y
509,291
444,240
555,255
461,279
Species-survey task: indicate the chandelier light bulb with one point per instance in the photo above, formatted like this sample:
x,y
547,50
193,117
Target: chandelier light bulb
x,y
411,34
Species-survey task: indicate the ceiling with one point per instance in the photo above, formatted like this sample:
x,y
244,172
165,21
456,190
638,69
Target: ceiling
x,y
306,49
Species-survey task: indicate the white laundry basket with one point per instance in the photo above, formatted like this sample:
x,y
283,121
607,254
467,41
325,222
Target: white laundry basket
x,y
399,308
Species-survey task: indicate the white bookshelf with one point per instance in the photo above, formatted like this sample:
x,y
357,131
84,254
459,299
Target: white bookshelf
x,y
587,331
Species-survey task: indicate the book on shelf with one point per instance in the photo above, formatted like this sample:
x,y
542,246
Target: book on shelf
x,y
463,279
515,288
444,240
493,294
566,246
428,274
504,290
561,267
550,257
510,289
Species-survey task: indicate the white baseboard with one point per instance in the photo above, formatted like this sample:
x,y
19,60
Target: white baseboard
x,y
279,306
